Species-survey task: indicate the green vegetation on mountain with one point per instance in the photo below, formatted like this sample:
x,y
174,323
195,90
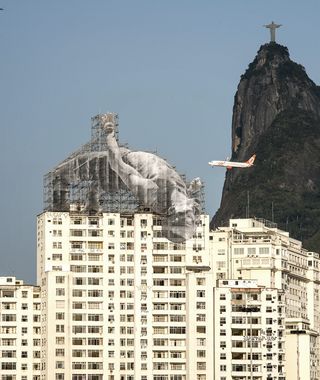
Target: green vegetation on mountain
x,y
281,124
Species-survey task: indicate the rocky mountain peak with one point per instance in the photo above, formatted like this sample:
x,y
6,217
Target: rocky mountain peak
x,y
276,114
271,54
271,84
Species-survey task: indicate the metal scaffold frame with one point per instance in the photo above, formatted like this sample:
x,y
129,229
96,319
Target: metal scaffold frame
x,y
103,176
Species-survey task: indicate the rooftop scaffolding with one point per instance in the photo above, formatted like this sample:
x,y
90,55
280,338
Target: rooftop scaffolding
x,y
103,176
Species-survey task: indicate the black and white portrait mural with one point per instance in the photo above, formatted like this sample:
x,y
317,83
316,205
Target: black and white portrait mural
x,y
104,176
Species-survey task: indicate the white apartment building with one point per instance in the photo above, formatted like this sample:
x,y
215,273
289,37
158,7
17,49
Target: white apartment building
x,y
20,330
249,331
114,303
200,326
121,302
256,250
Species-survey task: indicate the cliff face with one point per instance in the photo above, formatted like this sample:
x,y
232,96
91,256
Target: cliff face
x,y
276,115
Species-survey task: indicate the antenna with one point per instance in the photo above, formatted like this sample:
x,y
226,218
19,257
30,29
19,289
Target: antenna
x,y
272,214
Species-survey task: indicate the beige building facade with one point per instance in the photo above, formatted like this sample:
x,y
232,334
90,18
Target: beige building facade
x,y
20,330
119,301
252,249
114,296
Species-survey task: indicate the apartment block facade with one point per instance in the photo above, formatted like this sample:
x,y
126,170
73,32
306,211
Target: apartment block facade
x,y
249,331
20,330
117,300
114,302
251,249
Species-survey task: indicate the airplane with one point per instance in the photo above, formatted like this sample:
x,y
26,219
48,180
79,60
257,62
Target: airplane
x,y
231,164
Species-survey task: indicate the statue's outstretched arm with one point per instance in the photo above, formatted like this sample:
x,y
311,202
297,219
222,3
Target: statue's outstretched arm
x,y
145,189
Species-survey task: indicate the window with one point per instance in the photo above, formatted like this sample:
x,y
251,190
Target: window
x,y
95,245
201,353
8,366
177,330
36,354
95,268
77,233
60,328
8,354
8,317
201,317
8,342
251,251
59,364
95,341
95,293
201,281
237,296
76,220
59,279
78,268
60,292
59,340
201,329
201,366
79,329
95,353
77,244
94,257
201,341
78,341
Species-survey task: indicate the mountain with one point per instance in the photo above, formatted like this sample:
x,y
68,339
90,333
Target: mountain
x,y
276,115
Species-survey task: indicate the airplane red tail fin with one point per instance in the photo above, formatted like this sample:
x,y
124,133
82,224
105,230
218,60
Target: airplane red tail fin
x,y
251,160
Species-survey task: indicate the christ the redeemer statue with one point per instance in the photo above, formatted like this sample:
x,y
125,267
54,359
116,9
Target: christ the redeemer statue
x,y
272,28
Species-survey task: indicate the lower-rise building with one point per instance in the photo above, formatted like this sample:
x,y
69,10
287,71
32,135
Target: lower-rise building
x,y
249,331
20,330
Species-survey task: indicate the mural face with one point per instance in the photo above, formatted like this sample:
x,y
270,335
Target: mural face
x,y
143,180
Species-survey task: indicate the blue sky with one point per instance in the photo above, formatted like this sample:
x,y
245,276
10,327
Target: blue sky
x,y
169,68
